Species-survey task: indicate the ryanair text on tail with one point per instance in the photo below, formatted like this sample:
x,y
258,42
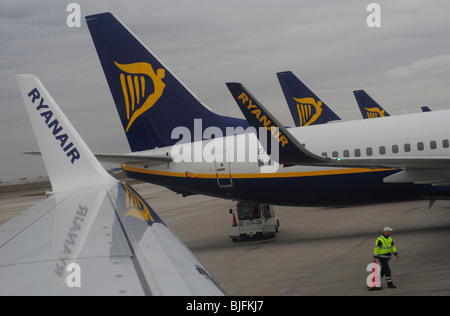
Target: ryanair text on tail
x,y
256,111
53,124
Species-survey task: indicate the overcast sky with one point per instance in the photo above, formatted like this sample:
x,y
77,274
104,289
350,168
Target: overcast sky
x,y
403,65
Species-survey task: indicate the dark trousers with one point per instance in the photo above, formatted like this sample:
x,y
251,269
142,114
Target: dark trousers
x,y
385,269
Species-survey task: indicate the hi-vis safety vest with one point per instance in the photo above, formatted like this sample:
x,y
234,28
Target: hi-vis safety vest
x,y
384,247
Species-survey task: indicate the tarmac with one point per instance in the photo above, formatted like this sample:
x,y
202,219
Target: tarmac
x,y
317,251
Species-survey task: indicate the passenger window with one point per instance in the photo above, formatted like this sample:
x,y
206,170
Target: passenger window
x,y
433,144
335,154
407,148
346,153
420,146
382,150
445,143
357,153
395,149
369,151
324,155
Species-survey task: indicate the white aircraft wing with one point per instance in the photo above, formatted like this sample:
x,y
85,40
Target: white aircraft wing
x,y
291,151
92,235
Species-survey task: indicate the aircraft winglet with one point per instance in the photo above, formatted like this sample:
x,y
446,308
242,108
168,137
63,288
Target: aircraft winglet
x,y
290,150
69,161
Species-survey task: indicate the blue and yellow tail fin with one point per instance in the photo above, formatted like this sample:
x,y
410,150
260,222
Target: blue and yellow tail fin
x,y
369,107
306,108
151,101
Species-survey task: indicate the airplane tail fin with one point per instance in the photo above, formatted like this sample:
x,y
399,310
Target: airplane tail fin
x,y
369,107
306,108
69,161
151,101
290,151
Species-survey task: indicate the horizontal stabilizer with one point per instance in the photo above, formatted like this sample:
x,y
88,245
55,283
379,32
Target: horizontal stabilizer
x,y
134,159
126,158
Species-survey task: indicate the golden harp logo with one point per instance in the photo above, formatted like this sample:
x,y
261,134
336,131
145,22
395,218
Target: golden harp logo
x,y
133,81
308,110
374,112
136,207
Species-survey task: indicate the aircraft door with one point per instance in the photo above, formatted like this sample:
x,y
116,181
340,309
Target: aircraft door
x,y
223,170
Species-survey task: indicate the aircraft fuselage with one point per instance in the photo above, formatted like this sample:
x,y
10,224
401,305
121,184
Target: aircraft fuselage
x,y
236,167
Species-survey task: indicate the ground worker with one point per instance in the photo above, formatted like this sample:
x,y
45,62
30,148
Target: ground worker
x,y
384,248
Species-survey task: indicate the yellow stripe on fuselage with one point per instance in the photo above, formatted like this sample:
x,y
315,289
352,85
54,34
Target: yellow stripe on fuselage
x,y
252,175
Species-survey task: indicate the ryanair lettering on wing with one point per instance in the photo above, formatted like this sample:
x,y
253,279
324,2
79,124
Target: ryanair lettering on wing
x,y
308,110
133,82
374,112
262,118
53,124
